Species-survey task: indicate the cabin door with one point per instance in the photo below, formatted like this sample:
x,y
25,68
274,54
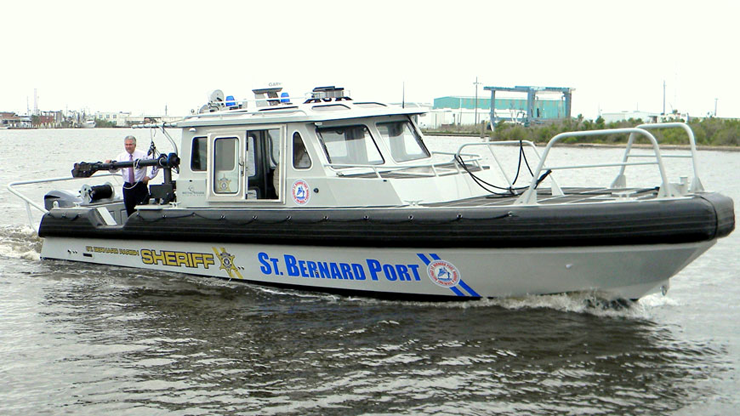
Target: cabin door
x,y
226,179
263,155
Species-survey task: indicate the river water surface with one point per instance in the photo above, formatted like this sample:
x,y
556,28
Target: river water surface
x,y
87,339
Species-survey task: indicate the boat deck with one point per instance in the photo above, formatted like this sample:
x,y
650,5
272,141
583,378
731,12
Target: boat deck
x,y
545,197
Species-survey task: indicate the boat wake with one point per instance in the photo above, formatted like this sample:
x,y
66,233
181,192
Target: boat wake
x,y
20,242
590,303
581,302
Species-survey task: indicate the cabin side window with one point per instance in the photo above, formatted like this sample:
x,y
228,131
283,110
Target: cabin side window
x,y
199,154
301,159
403,141
352,145
226,165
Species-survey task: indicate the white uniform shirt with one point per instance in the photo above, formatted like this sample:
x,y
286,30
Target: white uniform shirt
x,y
138,173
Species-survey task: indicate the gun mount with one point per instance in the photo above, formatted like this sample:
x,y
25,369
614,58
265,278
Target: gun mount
x,y
164,193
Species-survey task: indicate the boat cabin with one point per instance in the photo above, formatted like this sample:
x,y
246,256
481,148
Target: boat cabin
x,y
327,151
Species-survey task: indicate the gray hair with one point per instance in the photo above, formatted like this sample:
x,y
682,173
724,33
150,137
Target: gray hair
x,y
130,138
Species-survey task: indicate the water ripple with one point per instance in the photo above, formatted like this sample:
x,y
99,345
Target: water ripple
x,y
92,339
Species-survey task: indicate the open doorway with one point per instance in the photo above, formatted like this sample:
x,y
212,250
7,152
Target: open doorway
x,y
263,159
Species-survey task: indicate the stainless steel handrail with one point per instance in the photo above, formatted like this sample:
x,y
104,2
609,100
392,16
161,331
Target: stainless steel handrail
x,y
30,203
696,185
555,187
530,195
378,170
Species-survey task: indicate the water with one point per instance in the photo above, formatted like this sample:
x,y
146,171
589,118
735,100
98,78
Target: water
x,y
86,339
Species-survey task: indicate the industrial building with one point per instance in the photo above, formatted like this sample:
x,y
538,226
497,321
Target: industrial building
x,y
536,105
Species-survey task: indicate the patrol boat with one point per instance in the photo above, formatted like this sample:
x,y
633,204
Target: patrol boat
x,y
337,195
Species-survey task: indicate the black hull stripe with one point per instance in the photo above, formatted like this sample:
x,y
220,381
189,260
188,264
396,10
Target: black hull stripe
x,y
701,218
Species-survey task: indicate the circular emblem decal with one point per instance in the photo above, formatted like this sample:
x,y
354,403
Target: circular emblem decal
x,y
443,273
301,192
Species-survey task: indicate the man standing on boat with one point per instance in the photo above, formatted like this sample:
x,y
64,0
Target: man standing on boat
x,y
135,179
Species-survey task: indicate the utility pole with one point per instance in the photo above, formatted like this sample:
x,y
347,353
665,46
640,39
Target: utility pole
x,y
715,106
476,83
403,95
459,104
663,97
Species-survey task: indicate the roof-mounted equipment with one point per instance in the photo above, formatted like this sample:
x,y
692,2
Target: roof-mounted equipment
x,y
268,96
327,94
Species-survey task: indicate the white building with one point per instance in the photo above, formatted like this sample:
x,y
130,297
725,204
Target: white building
x,y
626,115
645,116
119,119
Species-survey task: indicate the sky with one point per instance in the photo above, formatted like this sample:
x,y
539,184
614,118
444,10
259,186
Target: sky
x,y
142,56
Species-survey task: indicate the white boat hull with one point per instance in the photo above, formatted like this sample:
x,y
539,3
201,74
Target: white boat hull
x,y
628,272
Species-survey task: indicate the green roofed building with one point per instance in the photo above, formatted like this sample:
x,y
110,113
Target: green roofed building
x,y
530,108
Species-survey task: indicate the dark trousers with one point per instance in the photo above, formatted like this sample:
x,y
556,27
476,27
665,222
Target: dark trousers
x,y
134,195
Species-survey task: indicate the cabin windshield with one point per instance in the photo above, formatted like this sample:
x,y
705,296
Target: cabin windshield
x,y
403,141
351,145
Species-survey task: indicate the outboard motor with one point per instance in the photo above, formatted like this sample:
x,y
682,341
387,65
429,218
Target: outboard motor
x,y
61,199
87,195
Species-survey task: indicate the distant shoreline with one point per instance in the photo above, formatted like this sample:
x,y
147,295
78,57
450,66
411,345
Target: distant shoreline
x,y
602,145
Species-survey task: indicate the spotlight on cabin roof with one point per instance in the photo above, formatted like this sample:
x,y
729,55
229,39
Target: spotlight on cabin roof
x,y
327,92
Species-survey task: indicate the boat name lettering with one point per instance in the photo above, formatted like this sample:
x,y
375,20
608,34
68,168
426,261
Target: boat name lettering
x,y
370,268
112,250
177,258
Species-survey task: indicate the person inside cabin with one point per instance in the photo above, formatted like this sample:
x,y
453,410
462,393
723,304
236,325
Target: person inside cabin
x,y
135,180
301,160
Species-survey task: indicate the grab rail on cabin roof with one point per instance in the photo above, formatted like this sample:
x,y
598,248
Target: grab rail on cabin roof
x,y
666,190
260,111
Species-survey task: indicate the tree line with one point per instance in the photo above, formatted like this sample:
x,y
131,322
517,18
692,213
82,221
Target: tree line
x,y
707,131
